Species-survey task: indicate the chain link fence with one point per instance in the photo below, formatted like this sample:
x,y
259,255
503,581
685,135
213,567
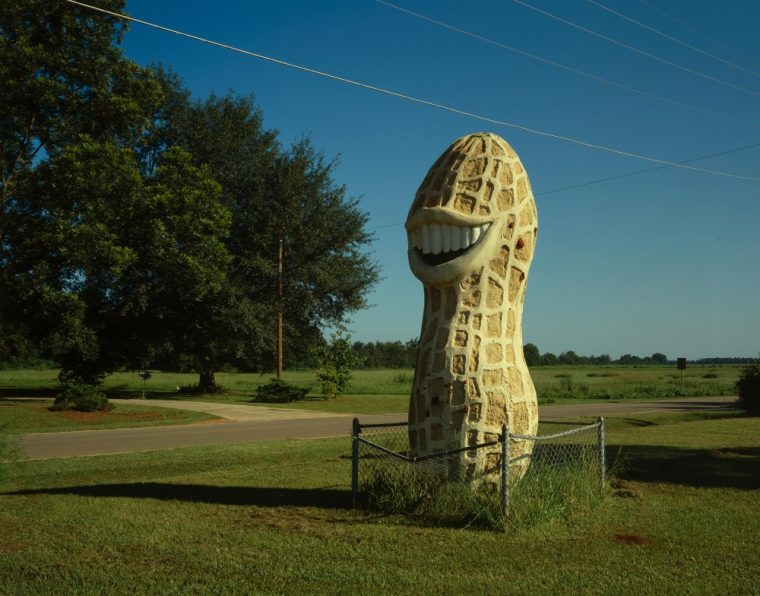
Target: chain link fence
x,y
561,470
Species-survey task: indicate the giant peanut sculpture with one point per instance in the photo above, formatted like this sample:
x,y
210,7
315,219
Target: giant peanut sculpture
x,y
472,230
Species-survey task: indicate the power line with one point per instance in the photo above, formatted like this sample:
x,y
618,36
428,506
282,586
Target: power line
x,y
415,99
392,225
634,49
644,171
693,30
670,37
563,66
610,178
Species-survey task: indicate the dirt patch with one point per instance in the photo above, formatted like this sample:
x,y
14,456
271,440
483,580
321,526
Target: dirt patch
x,y
303,520
632,539
624,490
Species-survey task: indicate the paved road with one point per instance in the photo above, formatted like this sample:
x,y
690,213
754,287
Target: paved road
x,y
244,424
684,404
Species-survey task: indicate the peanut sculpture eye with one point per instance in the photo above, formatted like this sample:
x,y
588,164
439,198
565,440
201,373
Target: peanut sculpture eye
x,y
472,231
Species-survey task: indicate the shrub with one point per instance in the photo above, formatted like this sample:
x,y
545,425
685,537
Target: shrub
x,y
336,360
748,390
710,375
82,398
278,391
403,379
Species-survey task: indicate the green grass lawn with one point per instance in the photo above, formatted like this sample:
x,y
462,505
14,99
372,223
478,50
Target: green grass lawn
x,y
34,416
681,517
632,382
387,391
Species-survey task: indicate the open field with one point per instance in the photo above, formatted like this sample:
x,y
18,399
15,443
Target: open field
x,y
681,517
387,391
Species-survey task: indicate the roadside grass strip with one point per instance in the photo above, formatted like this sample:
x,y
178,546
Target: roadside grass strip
x,y
34,416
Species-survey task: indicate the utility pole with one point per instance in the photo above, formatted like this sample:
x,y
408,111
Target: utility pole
x,y
279,314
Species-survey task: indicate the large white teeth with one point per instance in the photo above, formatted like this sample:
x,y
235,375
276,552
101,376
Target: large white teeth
x,y
425,239
435,238
445,238
466,237
456,237
438,238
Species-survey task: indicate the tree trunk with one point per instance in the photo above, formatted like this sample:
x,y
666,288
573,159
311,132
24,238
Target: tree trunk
x,y
206,381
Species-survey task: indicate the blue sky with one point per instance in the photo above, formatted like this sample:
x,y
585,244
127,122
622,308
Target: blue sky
x,y
665,261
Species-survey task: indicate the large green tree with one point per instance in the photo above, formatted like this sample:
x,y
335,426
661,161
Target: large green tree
x,y
327,272
276,196
62,75
532,355
183,276
99,255
115,261
63,82
138,224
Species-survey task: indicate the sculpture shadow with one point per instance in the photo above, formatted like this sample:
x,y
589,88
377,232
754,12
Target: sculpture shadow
x,y
637,422
727,467
326,498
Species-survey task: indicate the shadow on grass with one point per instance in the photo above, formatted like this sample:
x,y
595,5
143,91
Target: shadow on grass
x,y
729,467
218,495
25,392
637,422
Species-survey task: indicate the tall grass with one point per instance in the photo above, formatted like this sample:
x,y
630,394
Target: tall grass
x,y
425,499
549,493
425,495
541,497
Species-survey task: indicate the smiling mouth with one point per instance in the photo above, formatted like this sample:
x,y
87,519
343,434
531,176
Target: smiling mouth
x,y
440,243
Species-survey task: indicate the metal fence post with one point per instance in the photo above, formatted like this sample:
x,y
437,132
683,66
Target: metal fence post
x,y
602,457
505,469
356,429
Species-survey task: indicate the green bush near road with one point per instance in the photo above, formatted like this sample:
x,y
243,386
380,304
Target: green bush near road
x,y
82,398
279,392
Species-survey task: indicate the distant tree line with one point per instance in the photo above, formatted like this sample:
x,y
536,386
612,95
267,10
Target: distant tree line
x,y
732,360
386,354
377,354
397,354
533,357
